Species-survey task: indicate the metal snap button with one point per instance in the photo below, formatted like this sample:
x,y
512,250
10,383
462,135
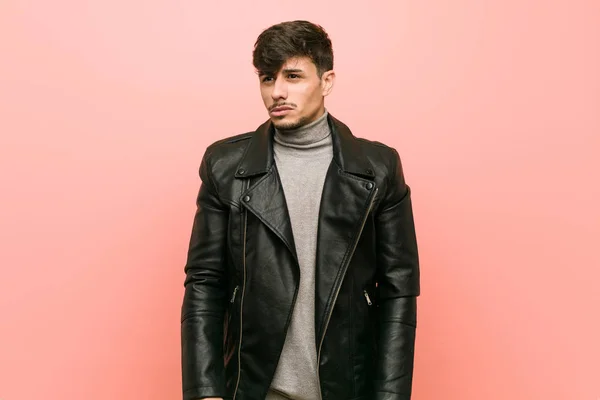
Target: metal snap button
x,y
246,198
369,186
241,171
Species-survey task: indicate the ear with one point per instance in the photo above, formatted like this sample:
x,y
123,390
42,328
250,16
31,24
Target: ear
x,y
327,82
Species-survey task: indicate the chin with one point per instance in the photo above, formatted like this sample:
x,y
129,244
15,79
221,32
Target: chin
x,y
283,125
286,124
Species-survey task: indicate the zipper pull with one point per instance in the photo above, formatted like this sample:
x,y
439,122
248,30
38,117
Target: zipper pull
x,y
234,293
367,297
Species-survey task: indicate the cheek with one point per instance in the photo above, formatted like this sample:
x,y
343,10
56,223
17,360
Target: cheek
x,y
313,99
308,97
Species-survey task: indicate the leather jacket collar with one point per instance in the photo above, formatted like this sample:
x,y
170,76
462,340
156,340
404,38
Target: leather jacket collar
x,y
347,154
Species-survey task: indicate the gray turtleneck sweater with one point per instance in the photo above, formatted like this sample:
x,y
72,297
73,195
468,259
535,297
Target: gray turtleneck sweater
x,y
302,157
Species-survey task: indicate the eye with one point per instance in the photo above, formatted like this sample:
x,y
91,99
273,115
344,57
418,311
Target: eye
x,y
266,78
293,76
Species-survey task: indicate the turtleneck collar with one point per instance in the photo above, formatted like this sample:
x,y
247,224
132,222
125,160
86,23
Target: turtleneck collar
x,y
307,136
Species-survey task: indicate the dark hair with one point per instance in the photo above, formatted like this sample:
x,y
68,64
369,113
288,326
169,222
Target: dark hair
x,y
280,42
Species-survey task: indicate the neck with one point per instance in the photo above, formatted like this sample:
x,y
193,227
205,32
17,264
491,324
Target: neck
x,y
305,136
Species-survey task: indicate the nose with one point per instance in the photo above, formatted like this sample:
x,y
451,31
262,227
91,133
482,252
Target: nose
x,y
279,89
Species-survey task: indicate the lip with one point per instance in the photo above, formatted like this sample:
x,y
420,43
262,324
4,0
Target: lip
x,y
280,111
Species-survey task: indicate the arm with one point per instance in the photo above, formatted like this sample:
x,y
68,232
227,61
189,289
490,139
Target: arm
x,y
398,288
202,311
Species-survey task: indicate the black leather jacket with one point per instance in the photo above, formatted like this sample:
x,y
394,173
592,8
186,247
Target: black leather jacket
x,y
242,273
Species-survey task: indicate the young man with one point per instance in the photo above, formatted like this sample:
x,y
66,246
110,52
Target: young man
x,y
302,271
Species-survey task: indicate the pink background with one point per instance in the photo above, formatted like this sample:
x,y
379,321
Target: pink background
x,y
106,108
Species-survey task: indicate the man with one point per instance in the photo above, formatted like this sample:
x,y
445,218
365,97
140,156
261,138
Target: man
x,y
302,271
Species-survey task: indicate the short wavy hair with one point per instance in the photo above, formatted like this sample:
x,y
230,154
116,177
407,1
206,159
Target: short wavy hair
x,y
275,45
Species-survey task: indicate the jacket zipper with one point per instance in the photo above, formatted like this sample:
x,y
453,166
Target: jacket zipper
x,y
367,297
237,384
337,291
234,293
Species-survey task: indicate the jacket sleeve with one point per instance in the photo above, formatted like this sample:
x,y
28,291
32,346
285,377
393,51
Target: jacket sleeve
x,y
398,287
203,307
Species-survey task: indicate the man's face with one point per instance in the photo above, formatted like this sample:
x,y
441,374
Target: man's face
x,y
295,96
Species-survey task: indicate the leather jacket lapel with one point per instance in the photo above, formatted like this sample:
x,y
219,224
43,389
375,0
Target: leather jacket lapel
x,y
266,200
348,192
265,197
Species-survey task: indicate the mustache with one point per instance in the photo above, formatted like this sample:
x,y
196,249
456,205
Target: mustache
x,y
274,106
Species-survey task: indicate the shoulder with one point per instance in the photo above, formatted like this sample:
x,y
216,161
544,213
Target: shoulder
x,y
389,173
225,153
228,144
384,156
220,161
377,147
387,165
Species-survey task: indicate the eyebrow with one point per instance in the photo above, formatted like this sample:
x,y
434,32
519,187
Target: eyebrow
x,y
285,71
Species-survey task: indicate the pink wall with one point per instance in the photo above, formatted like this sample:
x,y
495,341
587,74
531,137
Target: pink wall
x,y
106,108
